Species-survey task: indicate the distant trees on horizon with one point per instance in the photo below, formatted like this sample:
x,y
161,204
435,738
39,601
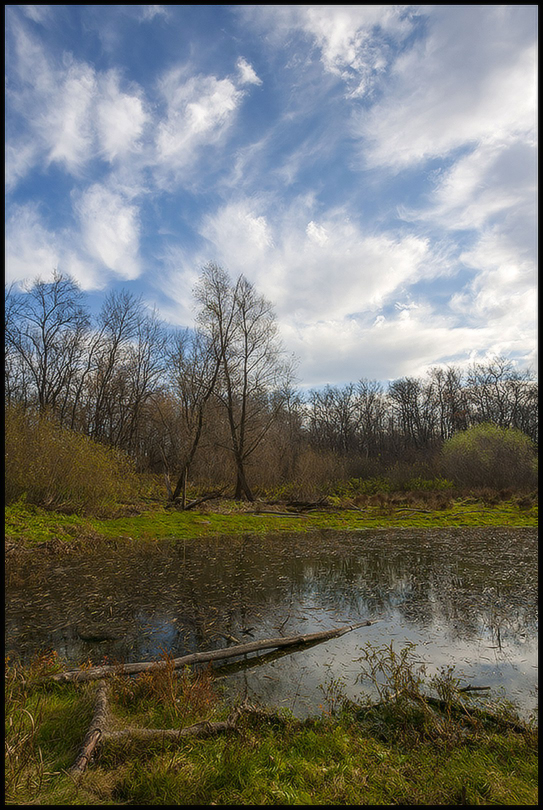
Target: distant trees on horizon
x,y
218,402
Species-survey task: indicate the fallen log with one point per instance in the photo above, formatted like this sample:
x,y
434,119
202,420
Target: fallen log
x,y
99,733
210,497
95,673
95,732
230,668
204,729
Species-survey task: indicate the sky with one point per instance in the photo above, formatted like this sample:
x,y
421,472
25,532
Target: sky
x,y
371,169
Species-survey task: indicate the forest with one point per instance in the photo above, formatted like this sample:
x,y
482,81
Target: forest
x,y
216,405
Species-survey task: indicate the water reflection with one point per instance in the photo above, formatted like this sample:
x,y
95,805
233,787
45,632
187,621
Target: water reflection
x,y
466,597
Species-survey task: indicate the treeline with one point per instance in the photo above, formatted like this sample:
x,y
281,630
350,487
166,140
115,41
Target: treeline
x,y
217,404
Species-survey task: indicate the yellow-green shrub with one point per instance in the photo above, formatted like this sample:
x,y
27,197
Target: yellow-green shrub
x,y
52,466
486,455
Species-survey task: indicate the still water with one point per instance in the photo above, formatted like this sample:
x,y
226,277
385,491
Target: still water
x,y
465,597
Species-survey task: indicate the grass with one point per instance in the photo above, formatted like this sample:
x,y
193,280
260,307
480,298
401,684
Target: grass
x,y
400,750
29,526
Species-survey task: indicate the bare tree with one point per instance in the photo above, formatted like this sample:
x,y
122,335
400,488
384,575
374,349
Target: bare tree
x,y
335,418
372,410
406,396
126,367
240,328
497,392
193,371
46,333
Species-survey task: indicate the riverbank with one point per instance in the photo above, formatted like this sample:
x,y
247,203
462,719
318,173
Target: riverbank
x,y
28,526
407,749
423,743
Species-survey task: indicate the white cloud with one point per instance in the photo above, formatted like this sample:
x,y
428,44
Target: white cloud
x,y
38,14
339,351
150,12
110,230
62,111
317,233
456,88
50,104
120,118
199,111
330,282
504,289
71,113
313,270
351,40
247,73
21,156
67,125
492,180
33,250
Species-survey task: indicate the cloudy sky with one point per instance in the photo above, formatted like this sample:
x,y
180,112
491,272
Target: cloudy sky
x,y
371,169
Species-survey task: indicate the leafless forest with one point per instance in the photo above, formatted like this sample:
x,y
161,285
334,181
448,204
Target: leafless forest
x,y
217,404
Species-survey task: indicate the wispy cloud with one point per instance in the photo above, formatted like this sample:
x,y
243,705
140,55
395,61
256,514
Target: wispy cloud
x,y
370,168
32,250
110,229
121,117
199,111
454,89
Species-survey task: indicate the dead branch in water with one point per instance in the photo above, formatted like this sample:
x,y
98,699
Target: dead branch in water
x,y
95,673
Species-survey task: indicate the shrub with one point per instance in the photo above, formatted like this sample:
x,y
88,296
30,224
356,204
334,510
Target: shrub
x,y
489,456
51,466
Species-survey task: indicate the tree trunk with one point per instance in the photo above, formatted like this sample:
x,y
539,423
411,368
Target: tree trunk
x,y
96,729
94,673
181,487
242,487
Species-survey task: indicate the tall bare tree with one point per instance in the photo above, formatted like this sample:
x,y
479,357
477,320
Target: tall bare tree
x,y
126,367
194,368
254,376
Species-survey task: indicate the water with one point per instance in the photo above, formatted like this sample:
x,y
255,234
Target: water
x,y
465,597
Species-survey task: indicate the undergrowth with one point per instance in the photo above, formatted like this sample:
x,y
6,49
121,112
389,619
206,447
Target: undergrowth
x,y
422,741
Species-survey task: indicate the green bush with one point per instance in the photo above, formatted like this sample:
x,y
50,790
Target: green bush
x,y
489,456
427,484
361,486
51,466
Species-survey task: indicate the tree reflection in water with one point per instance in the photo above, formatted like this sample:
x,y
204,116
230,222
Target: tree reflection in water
x,y
466,596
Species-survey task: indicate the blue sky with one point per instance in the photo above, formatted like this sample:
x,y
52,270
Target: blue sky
x,y
371,169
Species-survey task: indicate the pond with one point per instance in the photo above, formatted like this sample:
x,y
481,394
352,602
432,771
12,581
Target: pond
x,y
465,597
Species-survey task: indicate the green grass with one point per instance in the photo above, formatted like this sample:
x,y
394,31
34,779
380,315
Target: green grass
x,y
398,751
30,525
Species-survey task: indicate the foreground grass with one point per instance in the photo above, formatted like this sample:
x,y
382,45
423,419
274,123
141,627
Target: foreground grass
x,y
399,751
28,525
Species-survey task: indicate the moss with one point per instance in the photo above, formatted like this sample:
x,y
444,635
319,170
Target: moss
x,y
29,525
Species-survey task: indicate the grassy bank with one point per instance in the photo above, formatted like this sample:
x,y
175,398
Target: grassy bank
x,y
27,525
422,743
409,748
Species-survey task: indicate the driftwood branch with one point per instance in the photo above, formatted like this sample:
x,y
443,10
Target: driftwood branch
x,y
95,673
204,729
95,732
98,732
211,496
